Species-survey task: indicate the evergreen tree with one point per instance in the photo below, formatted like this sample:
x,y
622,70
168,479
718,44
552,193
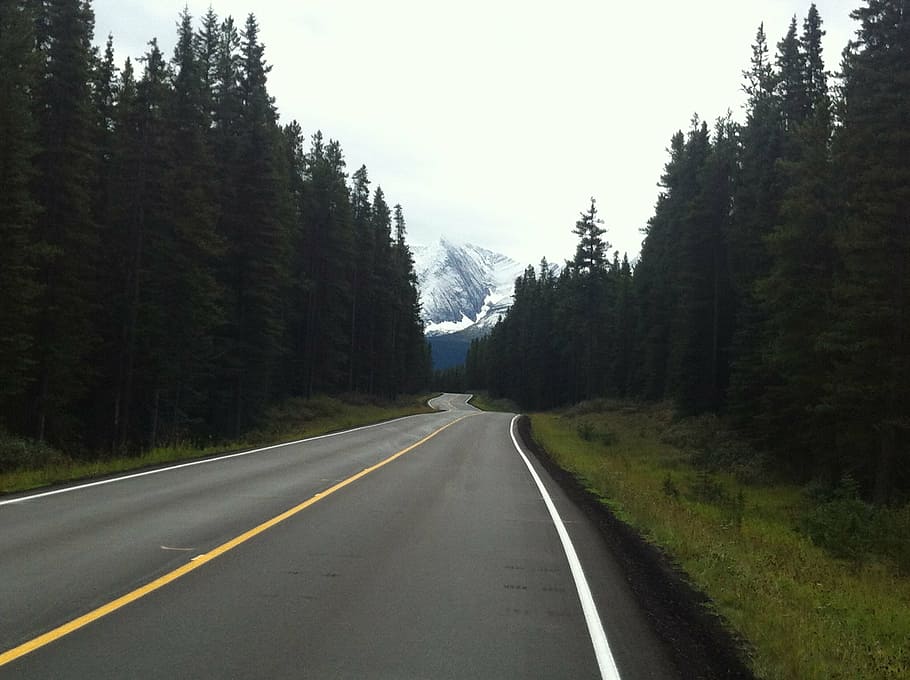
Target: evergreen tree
x,y
257,233
412,362
383,310
328,221
363,284
19,68
586,306
590,252
757,204
796,293
295,362
871,338
143,168
816,77
182,254
791,79
654,282
66,234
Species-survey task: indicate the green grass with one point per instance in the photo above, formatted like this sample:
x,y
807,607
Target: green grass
x,y
40,466
805,613
485,402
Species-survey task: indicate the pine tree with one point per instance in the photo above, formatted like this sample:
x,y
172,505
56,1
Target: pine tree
x,y
654,282
590,251
18,212
411,368
757,204
295,363
791,79
182,254
63,333
871,338
142,213
328,222
383,309
816,77
257,232
700,316
587,304
796,293
104,91
363,283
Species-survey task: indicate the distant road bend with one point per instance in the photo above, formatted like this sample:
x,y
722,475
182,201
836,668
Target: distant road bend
x,y
430,546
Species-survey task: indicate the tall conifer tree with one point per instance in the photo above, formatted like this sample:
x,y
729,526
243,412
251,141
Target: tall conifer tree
x,y
19,69
64,336
871,384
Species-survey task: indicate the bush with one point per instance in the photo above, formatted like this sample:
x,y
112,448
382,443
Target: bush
x,y
19,453
708,490
585,431
592,406
590,433
670,489
842,524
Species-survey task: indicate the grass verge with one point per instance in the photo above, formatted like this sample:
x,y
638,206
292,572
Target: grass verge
x,y
485,402
29,465
804,613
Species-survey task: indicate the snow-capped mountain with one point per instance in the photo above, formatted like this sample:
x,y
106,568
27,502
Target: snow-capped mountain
x,y
463,286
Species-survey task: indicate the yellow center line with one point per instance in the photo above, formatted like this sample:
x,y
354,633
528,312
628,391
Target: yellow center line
x,y
196,562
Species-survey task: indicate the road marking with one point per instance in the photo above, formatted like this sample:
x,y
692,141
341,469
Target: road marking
x,y
203,461
605,661
199,560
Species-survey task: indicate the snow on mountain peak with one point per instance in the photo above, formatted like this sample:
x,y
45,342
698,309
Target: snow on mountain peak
x,y
462,285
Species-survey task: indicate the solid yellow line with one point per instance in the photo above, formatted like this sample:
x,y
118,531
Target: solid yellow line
x,y
170,577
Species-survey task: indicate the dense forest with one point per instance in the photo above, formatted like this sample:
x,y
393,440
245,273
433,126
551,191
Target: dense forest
x,y
774,280
172,259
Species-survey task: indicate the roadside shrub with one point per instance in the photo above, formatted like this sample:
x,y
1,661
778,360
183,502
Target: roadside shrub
x,y
708,490
592,406
590,433
585,430
843,524
669,488
695,434
892,536
839,521
19,453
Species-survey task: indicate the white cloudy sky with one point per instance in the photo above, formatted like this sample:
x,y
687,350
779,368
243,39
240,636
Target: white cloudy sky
x,y
494,121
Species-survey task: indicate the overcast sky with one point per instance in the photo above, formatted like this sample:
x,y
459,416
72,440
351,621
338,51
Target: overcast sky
x,y
494,121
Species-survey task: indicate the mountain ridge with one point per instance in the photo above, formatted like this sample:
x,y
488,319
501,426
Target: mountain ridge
x,y
463,285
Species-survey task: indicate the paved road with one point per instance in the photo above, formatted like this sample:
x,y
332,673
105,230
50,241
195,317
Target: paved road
x,y
440,560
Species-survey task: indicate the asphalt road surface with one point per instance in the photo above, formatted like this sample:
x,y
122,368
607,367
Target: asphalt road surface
x,y
419,548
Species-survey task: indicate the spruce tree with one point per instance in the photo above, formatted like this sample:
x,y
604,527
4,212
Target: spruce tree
x,y
757,204
257,232
328,222
183,278
871,338
796,293
383,310
411,367
654,282
66,233
362,283
791,79
19,69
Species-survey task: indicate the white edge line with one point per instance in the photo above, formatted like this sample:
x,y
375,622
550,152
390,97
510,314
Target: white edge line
x,y
203,461
605,661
